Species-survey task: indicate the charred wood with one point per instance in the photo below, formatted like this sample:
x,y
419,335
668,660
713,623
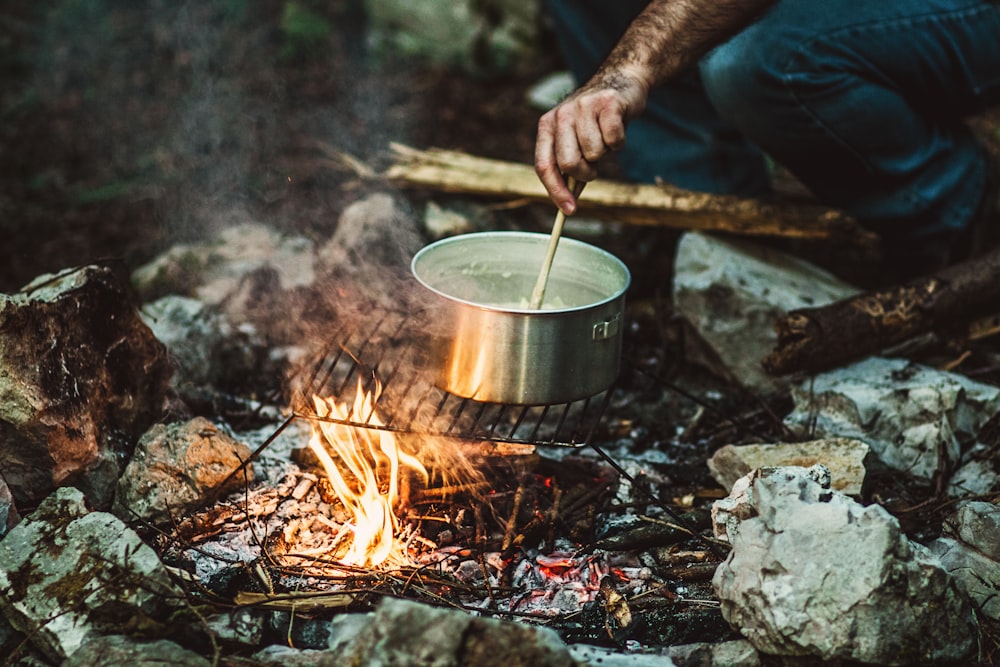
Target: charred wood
x,y
816,339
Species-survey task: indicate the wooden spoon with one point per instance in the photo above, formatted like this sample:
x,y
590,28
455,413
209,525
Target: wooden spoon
x,y
538,294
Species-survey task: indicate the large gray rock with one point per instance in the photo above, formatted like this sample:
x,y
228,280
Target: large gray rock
x,y
224,270
68,575
970,551
812,572
408,633
208,351
914,418
733,291
176,467
367,260
81,378
118,650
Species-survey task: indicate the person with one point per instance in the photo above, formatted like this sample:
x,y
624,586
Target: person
x,y
864,102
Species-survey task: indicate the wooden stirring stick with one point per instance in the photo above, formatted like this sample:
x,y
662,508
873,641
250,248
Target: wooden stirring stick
x,y
538,294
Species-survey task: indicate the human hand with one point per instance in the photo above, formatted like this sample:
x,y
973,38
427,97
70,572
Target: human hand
x,y
583,128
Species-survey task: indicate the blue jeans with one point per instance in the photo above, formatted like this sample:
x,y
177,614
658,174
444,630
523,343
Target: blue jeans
x,y
863,101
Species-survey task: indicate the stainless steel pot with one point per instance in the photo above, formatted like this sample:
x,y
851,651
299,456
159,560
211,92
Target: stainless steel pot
x,y
487,345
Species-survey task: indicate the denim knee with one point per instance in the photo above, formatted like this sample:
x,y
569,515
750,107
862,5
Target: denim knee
x,y
743,80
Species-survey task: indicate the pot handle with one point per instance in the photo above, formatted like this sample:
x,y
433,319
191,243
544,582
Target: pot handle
x,y
608,328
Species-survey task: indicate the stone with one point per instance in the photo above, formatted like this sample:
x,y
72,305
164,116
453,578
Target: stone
x,y
117,650
843,457
285,656
970,550
598,656
732,292
81,378
914,418
812,484
207,349
8,511
215,271
242,625
403,632
176,467
368,256
814,573
736,653
551,90
68,575
441,222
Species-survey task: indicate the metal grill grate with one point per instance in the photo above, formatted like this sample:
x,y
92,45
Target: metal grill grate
x,y
385,355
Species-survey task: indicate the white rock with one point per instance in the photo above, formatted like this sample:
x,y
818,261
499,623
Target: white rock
x,y
551,90
733,291
812,572
910,415
67,575
970,551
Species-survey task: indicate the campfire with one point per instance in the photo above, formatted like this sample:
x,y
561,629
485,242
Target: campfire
x,y
596,520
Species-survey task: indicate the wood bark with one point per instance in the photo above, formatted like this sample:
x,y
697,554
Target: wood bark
x,y
816,339
637,204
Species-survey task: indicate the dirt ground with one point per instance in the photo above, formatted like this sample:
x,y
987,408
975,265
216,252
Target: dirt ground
x,y
128,127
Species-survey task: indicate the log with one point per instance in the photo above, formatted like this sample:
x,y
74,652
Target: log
x,y
816,339
636,204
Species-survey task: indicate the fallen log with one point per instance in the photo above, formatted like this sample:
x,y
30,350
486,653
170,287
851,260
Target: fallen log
x,y
816,339
637,204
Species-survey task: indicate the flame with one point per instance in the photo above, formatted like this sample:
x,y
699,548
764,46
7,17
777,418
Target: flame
x,y
367,470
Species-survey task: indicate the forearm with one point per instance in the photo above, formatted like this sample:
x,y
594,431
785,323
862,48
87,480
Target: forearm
x,y
670,35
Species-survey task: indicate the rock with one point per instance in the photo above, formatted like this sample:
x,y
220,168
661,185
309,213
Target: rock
x,y
215,271
478,38
914,418
284,656
368,256
8,512
81,378
597,656
260,280
67,575
738,653
975,478
207,349
551,90
441,222
812,572
242,625
970,551
812,484
408,633
843,457
176,467
733,291
117,650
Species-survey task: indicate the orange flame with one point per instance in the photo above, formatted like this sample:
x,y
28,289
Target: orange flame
x,y
365,467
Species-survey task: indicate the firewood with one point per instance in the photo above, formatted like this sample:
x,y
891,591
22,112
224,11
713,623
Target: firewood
x,y
816,339
637,204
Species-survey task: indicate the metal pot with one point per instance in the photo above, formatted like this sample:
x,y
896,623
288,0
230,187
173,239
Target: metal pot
x,y
487,345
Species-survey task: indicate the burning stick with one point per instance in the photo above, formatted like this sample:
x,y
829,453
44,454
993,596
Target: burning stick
x,y
508,537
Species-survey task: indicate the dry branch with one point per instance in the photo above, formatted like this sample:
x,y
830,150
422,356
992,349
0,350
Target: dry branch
x,y
638,204
815,339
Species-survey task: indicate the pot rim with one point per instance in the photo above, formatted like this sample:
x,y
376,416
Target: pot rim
x,y
543,238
